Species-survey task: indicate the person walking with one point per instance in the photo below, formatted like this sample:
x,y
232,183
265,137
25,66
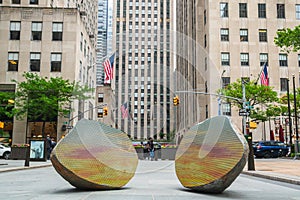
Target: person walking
x,y
48,146
151,149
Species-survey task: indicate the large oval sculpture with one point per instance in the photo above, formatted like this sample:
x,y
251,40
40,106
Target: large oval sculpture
x,y
95,156
211,155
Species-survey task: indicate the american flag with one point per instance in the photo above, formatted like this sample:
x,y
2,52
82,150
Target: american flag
x,y
124,110
264,79
108,68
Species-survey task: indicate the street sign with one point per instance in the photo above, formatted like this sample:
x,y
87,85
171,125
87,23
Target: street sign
x,y
243,113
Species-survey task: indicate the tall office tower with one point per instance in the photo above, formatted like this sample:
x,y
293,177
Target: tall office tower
x,y
144,68
237,39
53,39
101,39
189,76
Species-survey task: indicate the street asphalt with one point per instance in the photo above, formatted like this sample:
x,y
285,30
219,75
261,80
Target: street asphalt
x,y
279,169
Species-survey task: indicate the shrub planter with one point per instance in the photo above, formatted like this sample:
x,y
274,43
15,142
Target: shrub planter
x,y
168,153
18,153
140,152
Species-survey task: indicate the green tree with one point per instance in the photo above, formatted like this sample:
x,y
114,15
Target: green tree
x,y
43,99
255,94
6,105
288,39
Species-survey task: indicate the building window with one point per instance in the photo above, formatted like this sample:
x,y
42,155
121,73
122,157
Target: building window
x,y
262,10
35,60
263,35
35,2
224,9
224,34
280,11
15,1
283,84
55,62
243,10
81,41
244,59
297,11
0,1
283,62
57,31
15,29
100,98
244,35
36,31
204,17
225,59
298,60
263,58
226,109
13,62
225,82
205,41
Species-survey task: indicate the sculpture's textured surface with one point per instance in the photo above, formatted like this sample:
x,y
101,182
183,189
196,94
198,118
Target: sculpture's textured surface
x,y
95,156
211,155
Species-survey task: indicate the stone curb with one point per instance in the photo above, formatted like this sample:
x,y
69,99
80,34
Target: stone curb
x,y
24,168
274,178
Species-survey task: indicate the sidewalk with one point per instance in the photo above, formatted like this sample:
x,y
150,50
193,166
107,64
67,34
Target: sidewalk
x,y
280,169
13,165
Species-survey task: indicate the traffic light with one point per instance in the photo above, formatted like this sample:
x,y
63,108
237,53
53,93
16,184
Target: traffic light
x,y
176,101
105,111
1,124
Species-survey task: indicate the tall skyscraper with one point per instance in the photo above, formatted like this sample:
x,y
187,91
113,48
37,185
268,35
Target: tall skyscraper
x,y
235,39
144,68
101,39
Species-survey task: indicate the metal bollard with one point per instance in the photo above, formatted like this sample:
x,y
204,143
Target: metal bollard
x,y
27,157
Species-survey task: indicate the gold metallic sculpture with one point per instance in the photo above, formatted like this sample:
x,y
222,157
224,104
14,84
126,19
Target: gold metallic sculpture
x,y
95,156
211,155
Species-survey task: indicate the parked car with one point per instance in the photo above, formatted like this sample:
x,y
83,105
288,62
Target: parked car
x,y
270,149
5,151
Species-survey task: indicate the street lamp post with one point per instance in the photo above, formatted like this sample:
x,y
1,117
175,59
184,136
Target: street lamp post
x,y
219,98
289,113
296,119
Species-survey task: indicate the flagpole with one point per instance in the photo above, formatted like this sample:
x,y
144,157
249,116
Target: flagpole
x,y
260,73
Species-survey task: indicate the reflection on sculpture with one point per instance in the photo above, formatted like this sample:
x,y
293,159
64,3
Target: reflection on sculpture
x,y
95,156
211,155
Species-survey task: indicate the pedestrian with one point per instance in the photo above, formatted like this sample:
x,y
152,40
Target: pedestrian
x,y
53,144
151,149
48,146
146,151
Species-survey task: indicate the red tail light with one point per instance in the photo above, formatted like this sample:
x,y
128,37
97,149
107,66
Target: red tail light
x,y
259,146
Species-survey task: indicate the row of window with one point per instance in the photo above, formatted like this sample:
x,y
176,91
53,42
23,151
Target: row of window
x,y
261,8
244,59
36,30
32,2
262,35
35,62
283,82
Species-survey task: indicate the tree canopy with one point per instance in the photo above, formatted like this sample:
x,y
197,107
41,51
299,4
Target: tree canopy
x,y
255,93
6,105
43,98
288,39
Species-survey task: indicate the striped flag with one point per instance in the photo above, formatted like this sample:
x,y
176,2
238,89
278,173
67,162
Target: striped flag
x,y
108,68
264,79
124,110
